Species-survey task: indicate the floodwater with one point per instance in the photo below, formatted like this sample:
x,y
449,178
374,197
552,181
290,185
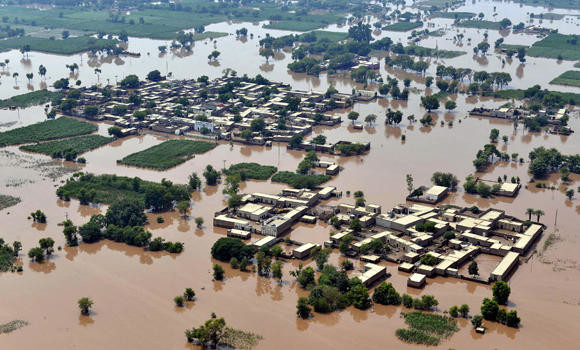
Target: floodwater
x,y
133,289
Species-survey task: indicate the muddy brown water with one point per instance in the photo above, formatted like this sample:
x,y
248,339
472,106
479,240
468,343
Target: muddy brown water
x,y
133,289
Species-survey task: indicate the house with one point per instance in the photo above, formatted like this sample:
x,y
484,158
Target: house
x,y
508,189
265,242
436,193
506,265
416,280
254,212
372,273
239,233
304,250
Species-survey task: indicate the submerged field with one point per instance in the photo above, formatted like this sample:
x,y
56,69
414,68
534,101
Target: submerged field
x,y
79,145
62,47
403,26
167,154
556,45
31,98
251,171
570,78
47,130
427,329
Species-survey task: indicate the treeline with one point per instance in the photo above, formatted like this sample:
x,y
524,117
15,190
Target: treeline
x,y
545,161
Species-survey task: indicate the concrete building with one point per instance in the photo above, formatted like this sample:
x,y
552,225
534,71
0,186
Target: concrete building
x,y
228,222
508,189
265,242
254,212
372,273
416,280
506,265
406,267
303,251
239,233
436,193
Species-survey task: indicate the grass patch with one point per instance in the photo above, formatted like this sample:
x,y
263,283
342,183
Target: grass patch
x,y
167,154
479,24
46,130
550,240
555,46
403,26
33,98
421,51
512,47
62,47
238,339
300,181
12,326
79,145
208,35
561,4
252,171
454,15
426,328
570,78
332,36
8,201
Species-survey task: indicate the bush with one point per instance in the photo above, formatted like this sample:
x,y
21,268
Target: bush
x,y
218,272
501,292
489,309
226,248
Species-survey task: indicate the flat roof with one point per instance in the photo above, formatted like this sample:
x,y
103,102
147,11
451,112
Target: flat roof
x,y
436,190
304,247
505,263
417,277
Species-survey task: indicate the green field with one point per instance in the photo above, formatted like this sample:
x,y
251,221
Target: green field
x,y
332,36
554,46
471,23
33,98
454,15
570,78
577,65
300,181
421,51
8,201
62,47
549,16
252,171
426,328
440,4
46,130
79,145
403,26
167,154
558,4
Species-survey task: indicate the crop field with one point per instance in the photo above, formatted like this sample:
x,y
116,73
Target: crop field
x,y
47,130
426,328
300,181
79,145
403,26
454,15
556,45
31,98
252,171
167,154
62,47
471,23
570,78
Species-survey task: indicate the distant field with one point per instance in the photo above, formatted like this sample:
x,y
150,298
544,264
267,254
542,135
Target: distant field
x,y
47,130
518,94
31,99
332,36
8,201
403,26
79,144
555,45
454,15
549,16
421,51
570,78
300,181
252,171
63,47
167,154
471,23
558,4
440,4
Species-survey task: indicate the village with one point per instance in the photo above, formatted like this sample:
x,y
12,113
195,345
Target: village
x,y
424,241
557,120
229,108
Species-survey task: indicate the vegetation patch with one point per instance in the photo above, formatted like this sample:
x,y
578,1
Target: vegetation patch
x,y
479,24
12,326
403,26
167,154
454,15
562,4
251,171
332,36
299,180
426,328
239,339
421,51
108,189
62,47
8,201
33,98
47,130
556,45
570,78
76,145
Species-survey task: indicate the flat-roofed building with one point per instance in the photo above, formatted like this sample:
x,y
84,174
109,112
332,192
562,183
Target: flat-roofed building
x,y
426,270
254,212
372,273
303,251
227,222
508,189
526,239
505,266
416,280
239,233
406,267
411,257
326,192
370,258
510,225
267,241
436,193
337,237
356,246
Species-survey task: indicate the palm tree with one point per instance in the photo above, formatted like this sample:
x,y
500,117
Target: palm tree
x,y
529,212
539,213
29,76
85,305
98,72
15,76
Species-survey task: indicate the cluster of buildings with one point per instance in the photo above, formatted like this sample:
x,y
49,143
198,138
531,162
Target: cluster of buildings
x,y
553,118
220,109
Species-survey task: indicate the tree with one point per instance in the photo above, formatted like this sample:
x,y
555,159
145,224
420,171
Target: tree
x,y
353,116
489,309
409,180
277,270
522,54
85,304
29,76
493,135
183,208
199,221
344,244
473,269
179,301
194,182
126,213
444,179
46,244
512,319
218,272
213,55
501,292
453,311
359,296
321,257
131,81
211,175
370,118
430,103
570,193
476,321
42,71
538,214
65,34
386,294
530,212
306,277
266,53
302,308
154,75
464,310
36,254
360,32
450,105
189,294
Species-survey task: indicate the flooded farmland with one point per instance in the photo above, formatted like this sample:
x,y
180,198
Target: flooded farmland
x,y
133,289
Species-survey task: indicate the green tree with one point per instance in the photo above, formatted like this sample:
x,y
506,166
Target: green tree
x,y
430,103
493,135
199,221
183,208
277,270
501,292
489,309
194,182
512,319
353,116
302,308
454,311
473,269
570,193
189,294
211,175
36,254
464,310
476,321
85,304
218,272
179,301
